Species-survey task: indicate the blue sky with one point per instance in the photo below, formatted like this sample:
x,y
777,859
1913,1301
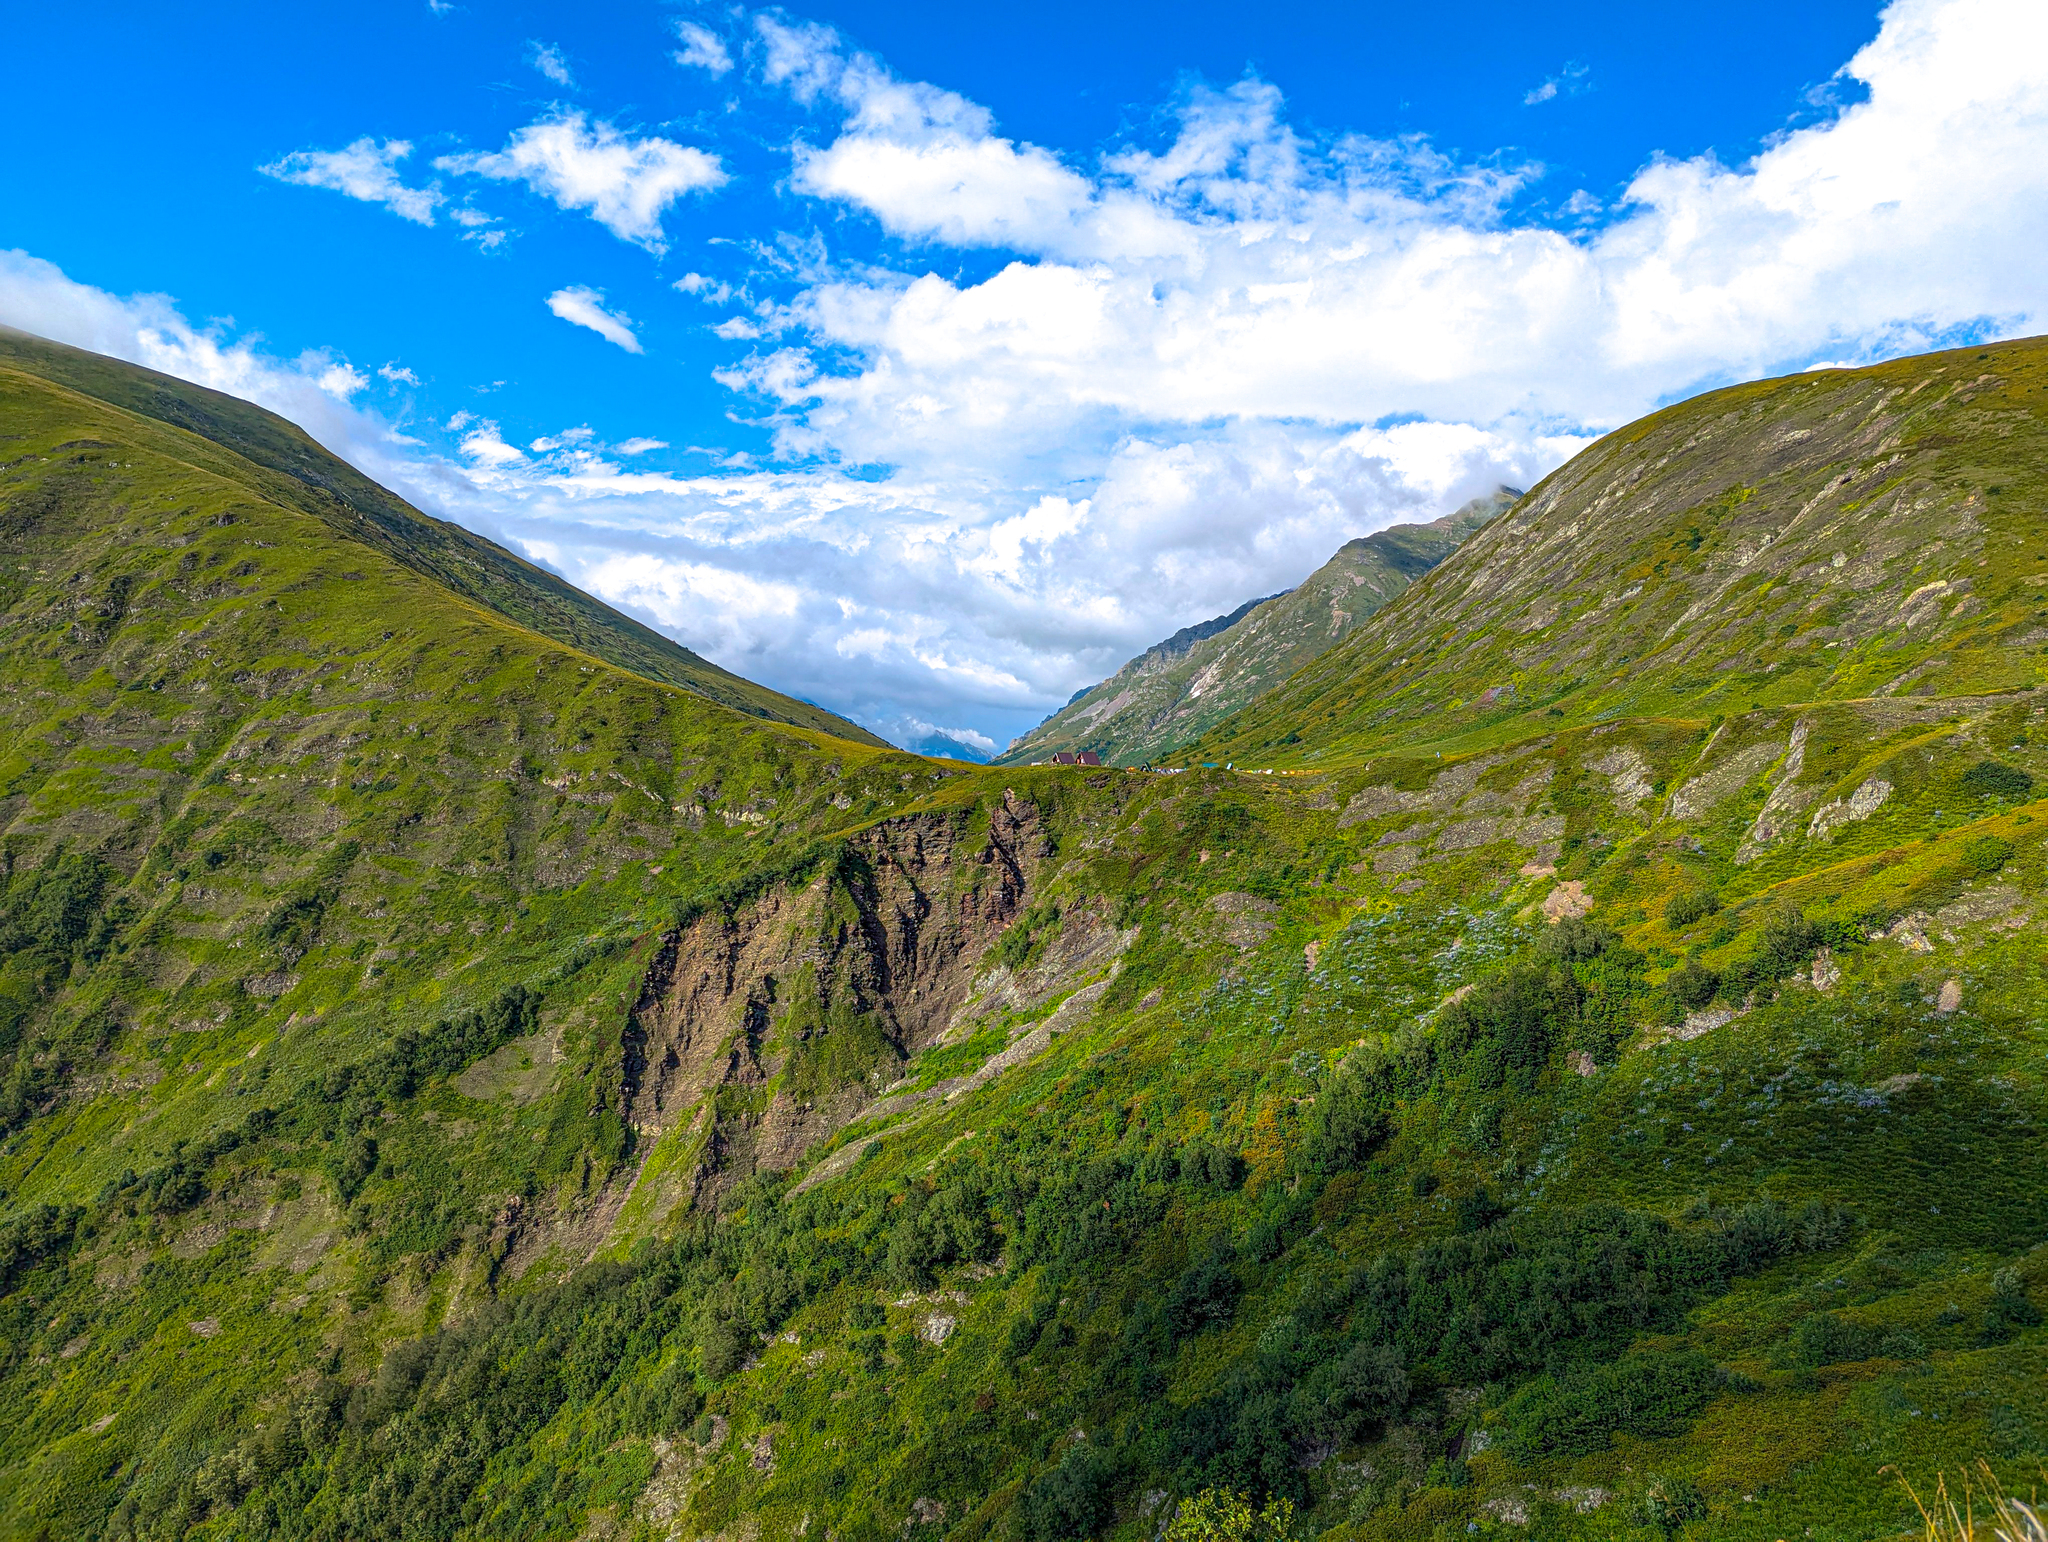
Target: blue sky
x,y
929,361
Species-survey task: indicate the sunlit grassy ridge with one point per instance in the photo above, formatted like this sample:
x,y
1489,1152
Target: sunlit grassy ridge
x,y
1840,534
282,465
606,1116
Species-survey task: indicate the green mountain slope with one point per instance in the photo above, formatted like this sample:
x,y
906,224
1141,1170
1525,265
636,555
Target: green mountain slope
x,y
1198,677
466,1091
304,476
272,802
1832,535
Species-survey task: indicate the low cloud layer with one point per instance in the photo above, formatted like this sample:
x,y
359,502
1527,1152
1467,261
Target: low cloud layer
x,y
1195,367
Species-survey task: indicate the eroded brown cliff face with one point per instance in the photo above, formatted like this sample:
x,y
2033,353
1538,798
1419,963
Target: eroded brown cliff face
x,y
880,949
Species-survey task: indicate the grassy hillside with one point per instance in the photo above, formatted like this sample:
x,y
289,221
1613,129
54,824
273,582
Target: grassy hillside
x,y
588,1114
1829,536
1203,674
283,465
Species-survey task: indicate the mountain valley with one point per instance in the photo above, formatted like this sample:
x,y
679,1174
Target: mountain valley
x,y
1558,1052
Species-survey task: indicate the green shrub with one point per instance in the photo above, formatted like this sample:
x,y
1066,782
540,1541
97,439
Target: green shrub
x,y
57,909
1025,940
1671,1504
1693,905
1574,941
1755,1234
34,1237
935,1230
1826,1339
1071,1501
1222,1515
664,1401
1339,1400
1901,1345
1352,1116
1821,1226
2009,1299
1217,1166
1479,1210
1992,779
721,1347
1501,1034
1787,942
1206,1294
1986,853
1692,986
1785,946
1282,1218
1578,1413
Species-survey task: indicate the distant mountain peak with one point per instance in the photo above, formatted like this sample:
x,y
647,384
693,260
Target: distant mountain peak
x,y
1177,688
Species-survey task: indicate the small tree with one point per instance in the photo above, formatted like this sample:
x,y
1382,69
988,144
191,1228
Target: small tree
x,y
1223,1515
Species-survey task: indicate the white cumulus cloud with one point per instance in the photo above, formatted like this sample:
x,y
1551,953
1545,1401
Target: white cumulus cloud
x,y
364,170
585,307
341,380
1569,81
551,62
702,49
485,445
625,184
710,290
1243,272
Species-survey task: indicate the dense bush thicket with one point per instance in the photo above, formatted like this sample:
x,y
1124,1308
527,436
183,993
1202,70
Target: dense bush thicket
x,y
1524,1295
60,915
33,1237
340,1109
1787,943
1027,936
1995,779
409,1453
1575,994
433,1445
1577,1413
